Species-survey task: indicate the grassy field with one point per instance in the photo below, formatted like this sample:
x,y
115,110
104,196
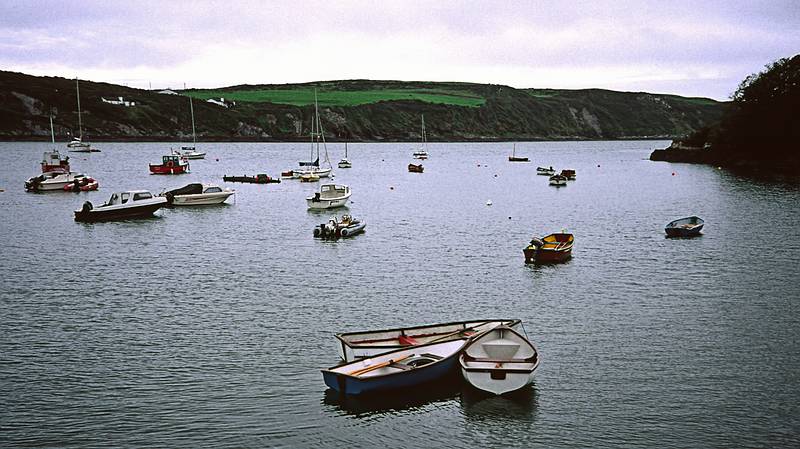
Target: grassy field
x,y
302,97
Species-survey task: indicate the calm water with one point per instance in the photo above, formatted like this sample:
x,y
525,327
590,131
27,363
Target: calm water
x,y
208,327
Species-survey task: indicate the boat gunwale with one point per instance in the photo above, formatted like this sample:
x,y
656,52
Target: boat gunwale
x,y
343,335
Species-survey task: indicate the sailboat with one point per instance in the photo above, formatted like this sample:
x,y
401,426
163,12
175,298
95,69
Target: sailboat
x,y
345,163
56,174
422,151
313,168
514,158
191,152
77,144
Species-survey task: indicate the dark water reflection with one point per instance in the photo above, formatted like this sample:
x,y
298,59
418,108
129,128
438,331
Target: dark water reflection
x,y
208,327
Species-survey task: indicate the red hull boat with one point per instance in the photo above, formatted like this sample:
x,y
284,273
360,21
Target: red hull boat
x,y
170,165
552,248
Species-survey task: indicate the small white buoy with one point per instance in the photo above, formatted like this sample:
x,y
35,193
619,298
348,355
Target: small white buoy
x,y
489,203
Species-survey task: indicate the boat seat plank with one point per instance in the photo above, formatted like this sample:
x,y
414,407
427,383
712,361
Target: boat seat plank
x,y
468,358
400,366
433,356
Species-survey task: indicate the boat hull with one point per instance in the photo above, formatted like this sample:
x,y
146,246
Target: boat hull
x,y
355,386
167,170
551,251
517,159
258,179
684,232
96,215
499,361
201,199
323,203
498,381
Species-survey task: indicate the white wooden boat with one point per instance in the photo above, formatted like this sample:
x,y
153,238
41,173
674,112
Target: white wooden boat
x,y
356,345
329,196
422,151
685,227
121,206
197,194
402,368
499,361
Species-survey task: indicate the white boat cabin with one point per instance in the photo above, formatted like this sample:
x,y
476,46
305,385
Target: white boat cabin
x,y
120,198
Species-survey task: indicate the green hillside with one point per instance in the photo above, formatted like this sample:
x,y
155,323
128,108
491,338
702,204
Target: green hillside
x,y
350,109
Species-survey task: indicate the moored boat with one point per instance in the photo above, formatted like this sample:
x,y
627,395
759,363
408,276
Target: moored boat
x,y
558,180
329,196
499,361
685,227
309,177
171,164
77,145
360,344
402,368
555,247
514,157
197,194
189,153
415,168
52,181
544,171
121,206
82,184
568,173
348,226
260,178
345,162
422,151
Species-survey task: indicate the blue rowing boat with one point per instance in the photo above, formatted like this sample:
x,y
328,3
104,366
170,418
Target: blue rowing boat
x,y
397,369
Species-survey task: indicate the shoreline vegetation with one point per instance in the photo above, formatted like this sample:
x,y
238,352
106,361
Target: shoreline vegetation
x,y
758,132
350,110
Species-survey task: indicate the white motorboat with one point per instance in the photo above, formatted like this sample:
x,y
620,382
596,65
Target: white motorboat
x,y
197,194
329,196
121,206
558,180
77,145
499,361
544,171
345,162
422,151
53,181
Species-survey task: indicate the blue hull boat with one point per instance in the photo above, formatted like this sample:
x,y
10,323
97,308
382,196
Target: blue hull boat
x,y
397,369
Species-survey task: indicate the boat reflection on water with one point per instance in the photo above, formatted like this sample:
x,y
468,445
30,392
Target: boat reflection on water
x,y
446,389
475,404
519,405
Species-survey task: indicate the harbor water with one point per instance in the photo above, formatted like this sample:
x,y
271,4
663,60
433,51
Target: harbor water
x,y
207,327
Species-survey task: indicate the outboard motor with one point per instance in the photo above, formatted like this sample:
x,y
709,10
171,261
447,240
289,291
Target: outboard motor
x,y
537,242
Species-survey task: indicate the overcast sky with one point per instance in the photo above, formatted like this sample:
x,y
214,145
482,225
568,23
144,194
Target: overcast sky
x,y
697,48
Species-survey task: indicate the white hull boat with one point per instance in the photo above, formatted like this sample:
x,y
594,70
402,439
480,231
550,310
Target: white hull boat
x,y
499,361
329,197
198,195
422,151
357,345
52,181
545,171
189,153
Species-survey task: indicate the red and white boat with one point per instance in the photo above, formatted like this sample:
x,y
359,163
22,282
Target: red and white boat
x,y
170,165
53,162
82,184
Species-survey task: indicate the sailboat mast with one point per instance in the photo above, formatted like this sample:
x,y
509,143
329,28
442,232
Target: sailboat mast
x,y
319,129
191,109
80,123
424,137
52,133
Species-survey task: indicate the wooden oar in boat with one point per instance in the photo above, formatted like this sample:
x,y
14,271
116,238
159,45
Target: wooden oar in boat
x,y
361,371
460,331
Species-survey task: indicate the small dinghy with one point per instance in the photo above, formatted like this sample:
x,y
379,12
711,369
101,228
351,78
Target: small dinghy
x,y
329,196
499,361
568,173
552,248
82,184
121,206
685,227
514,157
360,344
397,369
558,180
197,194
545,171
416,168
260,178
348,226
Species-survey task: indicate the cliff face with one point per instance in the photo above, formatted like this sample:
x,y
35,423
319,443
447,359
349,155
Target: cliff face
x,y
352,110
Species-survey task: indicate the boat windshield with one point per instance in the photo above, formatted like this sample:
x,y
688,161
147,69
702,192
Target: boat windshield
x,y
142,196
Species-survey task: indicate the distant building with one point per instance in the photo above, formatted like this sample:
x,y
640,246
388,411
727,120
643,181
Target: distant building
x,y
222,102
119,101
168,92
